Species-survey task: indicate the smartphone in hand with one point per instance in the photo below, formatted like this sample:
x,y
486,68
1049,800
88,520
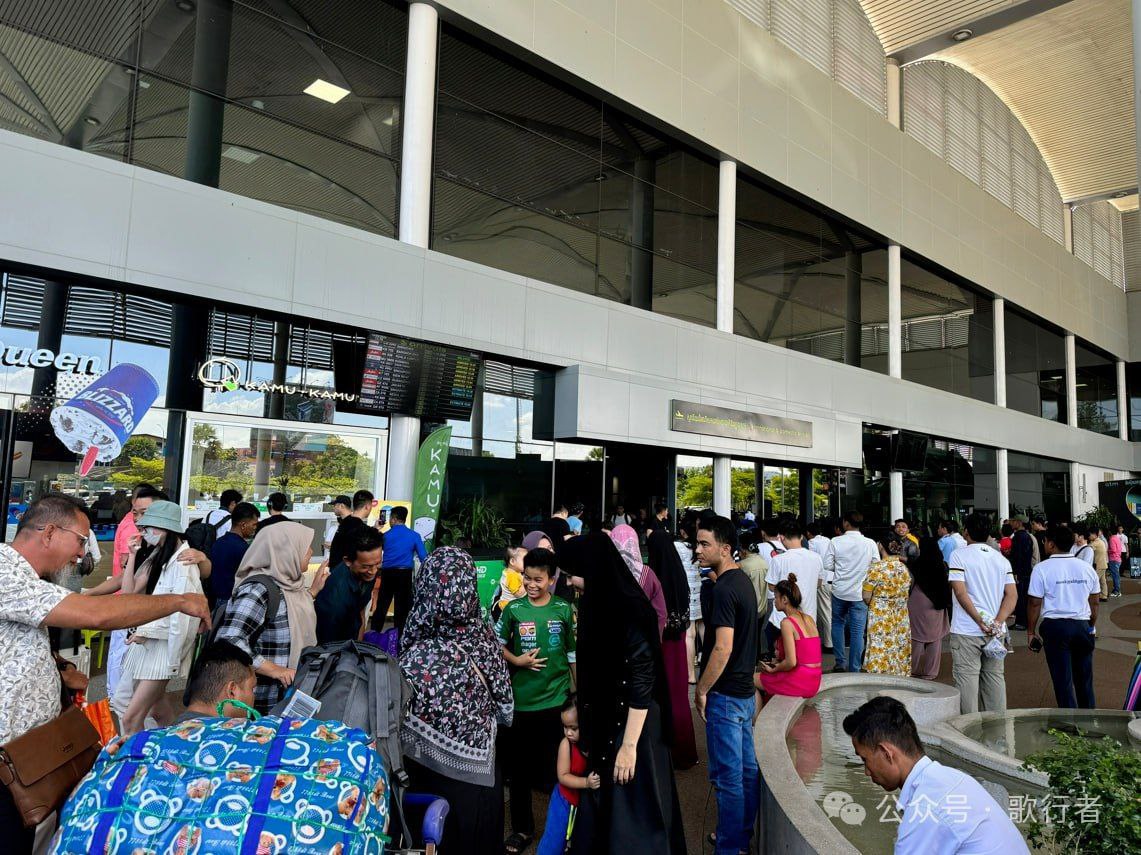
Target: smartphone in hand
x,y
1035,644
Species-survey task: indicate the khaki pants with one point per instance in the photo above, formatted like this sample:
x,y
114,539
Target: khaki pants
x,y
980,680
1104,584
824,614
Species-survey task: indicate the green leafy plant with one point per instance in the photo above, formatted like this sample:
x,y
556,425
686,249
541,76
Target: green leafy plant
x,y
1101,516
477,521
1094,802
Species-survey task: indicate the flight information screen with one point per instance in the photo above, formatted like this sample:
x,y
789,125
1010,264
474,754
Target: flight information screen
x,y
417,379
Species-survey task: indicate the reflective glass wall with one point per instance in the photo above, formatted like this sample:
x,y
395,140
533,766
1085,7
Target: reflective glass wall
x,y
806,282
948,334
538,178
1035,367
1096,381
310,93
1039,485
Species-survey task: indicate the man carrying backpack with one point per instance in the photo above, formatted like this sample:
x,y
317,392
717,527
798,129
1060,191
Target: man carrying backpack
x,y
220,517
228,550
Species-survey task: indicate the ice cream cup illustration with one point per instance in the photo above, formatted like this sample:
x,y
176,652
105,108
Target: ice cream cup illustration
x,y
348,802
99,420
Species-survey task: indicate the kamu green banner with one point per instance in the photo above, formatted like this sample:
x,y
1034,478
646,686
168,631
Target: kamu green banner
x,y
431,466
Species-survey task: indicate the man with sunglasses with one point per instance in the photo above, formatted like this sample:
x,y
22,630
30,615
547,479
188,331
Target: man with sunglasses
x,y
51,537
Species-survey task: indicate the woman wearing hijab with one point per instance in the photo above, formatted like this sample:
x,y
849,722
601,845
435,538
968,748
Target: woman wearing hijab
x,y
280,552
461,693
629,547
927,607
666,565
623,700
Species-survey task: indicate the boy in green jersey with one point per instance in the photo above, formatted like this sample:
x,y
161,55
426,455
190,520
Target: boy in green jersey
x,y
538,638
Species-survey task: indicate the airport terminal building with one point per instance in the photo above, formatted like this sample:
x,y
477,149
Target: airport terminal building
x,y
608,242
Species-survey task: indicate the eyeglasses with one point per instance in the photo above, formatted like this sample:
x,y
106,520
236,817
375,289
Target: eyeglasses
x,y
82,538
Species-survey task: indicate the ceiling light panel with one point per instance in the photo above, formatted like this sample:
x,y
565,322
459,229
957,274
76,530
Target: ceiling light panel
x,y
326,91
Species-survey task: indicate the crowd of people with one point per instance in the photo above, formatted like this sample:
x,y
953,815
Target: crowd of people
x,y
581,677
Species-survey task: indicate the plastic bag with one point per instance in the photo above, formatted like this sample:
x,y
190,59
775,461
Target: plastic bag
x,y
99,714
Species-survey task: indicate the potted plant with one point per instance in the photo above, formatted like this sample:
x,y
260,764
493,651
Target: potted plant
x,y
478,526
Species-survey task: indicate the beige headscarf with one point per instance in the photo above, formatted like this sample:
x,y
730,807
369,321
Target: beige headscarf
x,y
279,551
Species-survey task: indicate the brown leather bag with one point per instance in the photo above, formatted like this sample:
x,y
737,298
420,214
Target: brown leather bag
x,y
42,767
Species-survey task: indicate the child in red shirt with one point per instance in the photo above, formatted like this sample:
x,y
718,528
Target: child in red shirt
x,y
573,776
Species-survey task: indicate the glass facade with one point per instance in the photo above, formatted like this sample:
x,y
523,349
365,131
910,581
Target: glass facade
x,y
942,479
1096,380
806,282
117,78
948,334
538,178
1035,367
1039,485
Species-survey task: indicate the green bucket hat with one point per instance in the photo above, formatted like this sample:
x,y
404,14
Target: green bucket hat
x,y
164,515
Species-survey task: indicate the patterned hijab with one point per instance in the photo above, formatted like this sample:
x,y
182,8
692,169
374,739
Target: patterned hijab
x,y
460,687
626,539
279,551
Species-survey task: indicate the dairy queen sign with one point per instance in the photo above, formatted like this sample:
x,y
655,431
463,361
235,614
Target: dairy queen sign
x,y
224,375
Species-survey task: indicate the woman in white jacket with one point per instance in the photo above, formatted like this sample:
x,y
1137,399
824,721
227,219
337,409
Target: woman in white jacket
x,y
158,652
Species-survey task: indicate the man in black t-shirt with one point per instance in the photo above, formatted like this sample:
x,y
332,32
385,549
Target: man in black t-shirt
x,y
724,695
557,528
350,527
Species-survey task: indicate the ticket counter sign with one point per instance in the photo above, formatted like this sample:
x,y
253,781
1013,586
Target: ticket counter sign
x,y
688,417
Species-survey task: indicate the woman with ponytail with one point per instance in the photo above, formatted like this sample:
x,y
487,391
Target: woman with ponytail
x,y
796,670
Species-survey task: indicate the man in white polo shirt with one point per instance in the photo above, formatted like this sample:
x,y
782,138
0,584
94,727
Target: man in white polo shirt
x,y
1064,592
807,566
847,562
985,595
818,541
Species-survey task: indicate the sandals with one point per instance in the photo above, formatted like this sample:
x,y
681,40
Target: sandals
x,y
517,843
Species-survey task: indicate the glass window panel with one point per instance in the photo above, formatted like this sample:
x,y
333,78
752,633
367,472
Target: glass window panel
x,y
1096,381
1035,367
1039,485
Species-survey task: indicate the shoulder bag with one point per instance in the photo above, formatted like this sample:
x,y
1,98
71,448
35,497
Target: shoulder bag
x,y
42,767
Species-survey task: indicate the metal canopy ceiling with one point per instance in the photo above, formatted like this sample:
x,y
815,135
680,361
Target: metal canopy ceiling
x,y
1065,69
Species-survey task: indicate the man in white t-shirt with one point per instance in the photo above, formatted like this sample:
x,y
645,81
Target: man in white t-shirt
x,y
984,597
342,507
1081,548
796,560
818,541
846,564
1064,593
220,516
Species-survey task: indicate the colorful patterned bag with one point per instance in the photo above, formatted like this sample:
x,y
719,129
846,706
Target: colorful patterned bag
x,y
230,786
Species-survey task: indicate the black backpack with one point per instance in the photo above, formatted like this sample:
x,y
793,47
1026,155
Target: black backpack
x,y
202,535
361,685
273,603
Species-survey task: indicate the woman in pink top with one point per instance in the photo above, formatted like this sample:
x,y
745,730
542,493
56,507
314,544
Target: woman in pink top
x,y
797,669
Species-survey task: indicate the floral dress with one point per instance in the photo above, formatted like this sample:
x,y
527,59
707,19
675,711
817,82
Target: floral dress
x,y
889,628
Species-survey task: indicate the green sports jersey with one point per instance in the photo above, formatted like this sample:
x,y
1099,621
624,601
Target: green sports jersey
x,y
550,629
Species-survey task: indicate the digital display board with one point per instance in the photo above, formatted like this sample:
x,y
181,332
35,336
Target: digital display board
x,y
418,379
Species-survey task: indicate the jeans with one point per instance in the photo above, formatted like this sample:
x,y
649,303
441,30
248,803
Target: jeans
x,y
1115,574
733,769
1069,654
852,617
559,813
980,679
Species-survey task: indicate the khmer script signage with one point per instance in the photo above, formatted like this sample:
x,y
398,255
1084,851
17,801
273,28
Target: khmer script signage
x,y
689,417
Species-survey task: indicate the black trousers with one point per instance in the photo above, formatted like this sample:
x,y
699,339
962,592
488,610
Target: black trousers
x,y
395,586
1069,654
1022,583
18,840
531,750
475,817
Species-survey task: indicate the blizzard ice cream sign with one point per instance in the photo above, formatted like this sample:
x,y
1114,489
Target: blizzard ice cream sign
x,y
31,357
224,375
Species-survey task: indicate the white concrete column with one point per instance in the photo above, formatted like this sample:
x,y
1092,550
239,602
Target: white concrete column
x,y
1003,472
894,93
895,501
1071,381
894,313
726,244
1077,495
722,479
403,445
999,321
1068,227
417,121
1122,403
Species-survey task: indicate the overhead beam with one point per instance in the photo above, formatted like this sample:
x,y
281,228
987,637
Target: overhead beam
x,y
981,26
